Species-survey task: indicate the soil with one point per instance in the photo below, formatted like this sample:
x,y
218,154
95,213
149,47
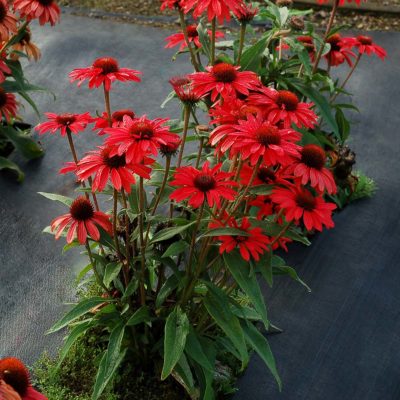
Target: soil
x,y
128,9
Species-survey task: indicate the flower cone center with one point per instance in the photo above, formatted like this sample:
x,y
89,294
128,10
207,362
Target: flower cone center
x,y
119,115
288,99
268,135
3,98
192,31
313,156
142,131
224,72
15,374
334,42
366,40
204,182
3,12
107,64
114,161
46,2
266,175
66,119
306,200
81,209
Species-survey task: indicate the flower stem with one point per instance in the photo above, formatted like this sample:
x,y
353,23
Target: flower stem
x,y
107,104
142,243
189,44
243,27
126,267
115,214
328,29
347,78
96,273
201,145
191,286
213,33
186,118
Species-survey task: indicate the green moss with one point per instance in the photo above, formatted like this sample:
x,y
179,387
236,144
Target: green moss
x,y
365,187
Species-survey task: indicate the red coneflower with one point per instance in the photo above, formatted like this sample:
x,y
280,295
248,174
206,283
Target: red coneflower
x,y
341,2
139,137
62,122
44,10
82,221
15,381
8,105
117,118
179,38
253,243
4,70
224,79
285,106
14,373
257,138
308,43
225,116
264,205
25,45
207,184
245,13
265,176
171,4
310,168
339,52
8,21
183,88
365,45
104,71
219,9
299,203
104,167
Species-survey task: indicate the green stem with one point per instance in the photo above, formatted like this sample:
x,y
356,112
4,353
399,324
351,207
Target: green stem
x,y
107,104
142,243
188,43
115,215
186,118
243,27
96,273
213,33
126,267
190,287
328,29
347,78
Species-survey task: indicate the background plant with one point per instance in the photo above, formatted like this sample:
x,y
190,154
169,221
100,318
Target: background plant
x,y
16,44
198,211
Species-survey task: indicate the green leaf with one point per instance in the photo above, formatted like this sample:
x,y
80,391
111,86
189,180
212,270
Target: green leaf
x,y
7,164
183,374
131,289
167,288
168,233
176,331
292,273
111,272
260,344
343,124
217,305
22,142
204,38
251,57
72,337
176,248
264,266
225,232
195,351
320,101
141,315
247,281
56,197
111,360
80,309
